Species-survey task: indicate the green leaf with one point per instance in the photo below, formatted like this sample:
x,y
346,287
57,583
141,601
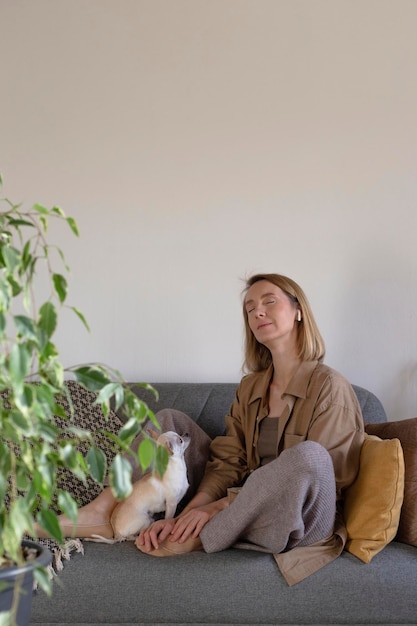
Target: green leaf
x,y
11,258
73,225
44,480
20,222
146,453
43,579
79,433
49,349
61,254
51,369
25,326
151,416
120,477
93,378
16,287
162,459
44,222
148,387
58,211
3,486
73,460
47,319
97,464
107,393
24,398
41,209
68,505
48,432
5,295
60,284
81,316
19,520
134,407
48,520
26,255
130,430
45,395
19,362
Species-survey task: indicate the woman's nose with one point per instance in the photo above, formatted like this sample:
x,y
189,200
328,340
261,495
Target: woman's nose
x,y
259,312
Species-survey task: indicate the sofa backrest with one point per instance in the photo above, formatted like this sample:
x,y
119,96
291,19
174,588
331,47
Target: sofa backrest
x,y
208,403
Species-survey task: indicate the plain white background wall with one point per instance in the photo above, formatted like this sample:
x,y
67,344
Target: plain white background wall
x,y
199,141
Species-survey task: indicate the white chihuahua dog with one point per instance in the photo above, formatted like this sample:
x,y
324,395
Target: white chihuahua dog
x,y
152,494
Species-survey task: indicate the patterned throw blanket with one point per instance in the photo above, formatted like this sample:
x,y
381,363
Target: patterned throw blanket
x,y
90,417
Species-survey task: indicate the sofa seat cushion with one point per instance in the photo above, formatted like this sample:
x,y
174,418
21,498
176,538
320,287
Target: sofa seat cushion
x,y
114,584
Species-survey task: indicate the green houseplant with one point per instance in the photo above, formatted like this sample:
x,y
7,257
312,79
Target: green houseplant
x,y
34,445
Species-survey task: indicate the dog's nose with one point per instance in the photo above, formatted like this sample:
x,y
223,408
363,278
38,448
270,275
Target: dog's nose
x,y
182,437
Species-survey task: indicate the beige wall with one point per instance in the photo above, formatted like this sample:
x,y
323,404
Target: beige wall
x,y
198,141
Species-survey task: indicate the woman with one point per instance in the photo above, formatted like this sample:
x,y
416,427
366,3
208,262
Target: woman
x,y
291,496
274,482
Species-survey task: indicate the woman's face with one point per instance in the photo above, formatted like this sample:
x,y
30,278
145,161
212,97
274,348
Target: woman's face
x,y
271,314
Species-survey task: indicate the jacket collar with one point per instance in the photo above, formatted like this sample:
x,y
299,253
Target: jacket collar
x,y
297,386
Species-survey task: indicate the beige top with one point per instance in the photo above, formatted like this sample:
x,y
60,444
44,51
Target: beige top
x,y
268,440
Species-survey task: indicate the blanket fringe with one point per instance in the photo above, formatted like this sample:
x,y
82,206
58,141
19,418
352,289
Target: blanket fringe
x,y
60,553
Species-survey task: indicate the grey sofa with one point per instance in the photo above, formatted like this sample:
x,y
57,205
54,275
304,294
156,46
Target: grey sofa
x,y
116,584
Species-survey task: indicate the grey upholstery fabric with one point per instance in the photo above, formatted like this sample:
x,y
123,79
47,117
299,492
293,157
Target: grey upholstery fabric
x,y
208,403
117,584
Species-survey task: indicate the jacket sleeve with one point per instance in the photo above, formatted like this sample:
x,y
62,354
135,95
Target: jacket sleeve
x,y
227,466
337,424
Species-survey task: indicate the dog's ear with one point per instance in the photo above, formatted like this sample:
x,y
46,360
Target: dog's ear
x,y
168,446
153,433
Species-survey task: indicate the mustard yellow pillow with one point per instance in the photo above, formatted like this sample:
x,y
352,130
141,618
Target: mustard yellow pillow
x,y
372,504
406,432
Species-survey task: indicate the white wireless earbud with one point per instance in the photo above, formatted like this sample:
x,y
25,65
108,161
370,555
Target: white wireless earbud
x,y
299,315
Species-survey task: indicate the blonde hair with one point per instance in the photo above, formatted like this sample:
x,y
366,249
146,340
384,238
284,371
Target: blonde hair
x,y
310,342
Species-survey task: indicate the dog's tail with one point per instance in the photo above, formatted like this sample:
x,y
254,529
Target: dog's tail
x,y
100,539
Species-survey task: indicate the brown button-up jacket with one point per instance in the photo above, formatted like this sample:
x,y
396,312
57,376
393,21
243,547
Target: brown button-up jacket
x,y
321,406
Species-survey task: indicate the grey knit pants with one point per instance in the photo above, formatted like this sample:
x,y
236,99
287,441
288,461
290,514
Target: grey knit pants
x,y
289,502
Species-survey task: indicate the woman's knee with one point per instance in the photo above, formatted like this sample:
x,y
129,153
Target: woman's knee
x,y
310,456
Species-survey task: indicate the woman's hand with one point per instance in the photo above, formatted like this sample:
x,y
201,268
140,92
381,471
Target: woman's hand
x,y
152,536
190,523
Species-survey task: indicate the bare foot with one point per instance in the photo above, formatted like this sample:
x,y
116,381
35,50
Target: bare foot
x,y
93,519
